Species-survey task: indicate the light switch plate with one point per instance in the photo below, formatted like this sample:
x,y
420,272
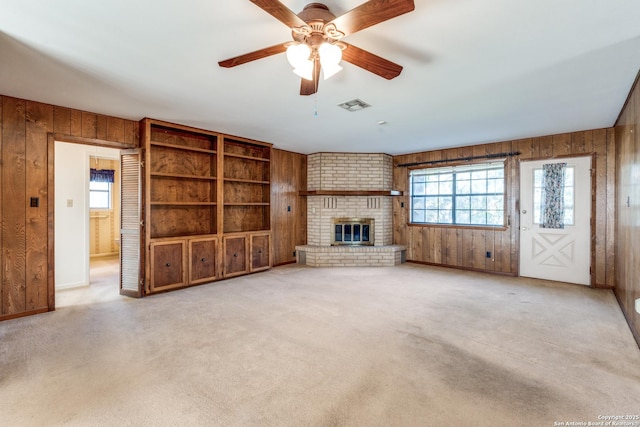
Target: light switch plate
x,y
69,203
638,305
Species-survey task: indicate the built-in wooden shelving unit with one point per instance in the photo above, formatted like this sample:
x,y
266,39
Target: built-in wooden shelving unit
x,y
206,203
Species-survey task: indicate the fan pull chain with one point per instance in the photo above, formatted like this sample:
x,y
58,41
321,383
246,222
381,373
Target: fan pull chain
x,y
315,106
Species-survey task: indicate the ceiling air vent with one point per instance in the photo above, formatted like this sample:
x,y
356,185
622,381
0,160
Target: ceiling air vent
x,y
354,105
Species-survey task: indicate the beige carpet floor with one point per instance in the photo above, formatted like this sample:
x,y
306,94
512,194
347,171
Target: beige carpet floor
x,y
296,346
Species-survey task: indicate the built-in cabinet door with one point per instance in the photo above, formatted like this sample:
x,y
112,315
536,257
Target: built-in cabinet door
x,y
260,251
167,265
202,255
235,255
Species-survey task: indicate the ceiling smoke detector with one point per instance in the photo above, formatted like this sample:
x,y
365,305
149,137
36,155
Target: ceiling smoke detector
x,y
354,105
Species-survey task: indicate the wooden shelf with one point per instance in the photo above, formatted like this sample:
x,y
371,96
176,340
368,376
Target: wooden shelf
x,y
177,175
246,181
242,156
182,147
183,203
200,186
351,193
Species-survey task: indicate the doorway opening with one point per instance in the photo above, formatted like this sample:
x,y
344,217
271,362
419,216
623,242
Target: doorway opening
x,y
87,224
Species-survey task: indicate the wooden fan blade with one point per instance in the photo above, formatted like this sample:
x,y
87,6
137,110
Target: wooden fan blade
x,y
371,13
370,62
248,57
281,12
309,87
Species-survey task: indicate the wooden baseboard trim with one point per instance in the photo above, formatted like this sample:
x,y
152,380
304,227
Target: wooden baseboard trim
x,y
128,293
23,314
456,267
607,287
285,263
636,334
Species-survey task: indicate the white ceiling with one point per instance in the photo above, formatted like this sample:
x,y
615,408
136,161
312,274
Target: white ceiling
x,y
475,71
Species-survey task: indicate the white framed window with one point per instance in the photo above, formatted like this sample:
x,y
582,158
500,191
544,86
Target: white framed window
x,y
99,195
459,195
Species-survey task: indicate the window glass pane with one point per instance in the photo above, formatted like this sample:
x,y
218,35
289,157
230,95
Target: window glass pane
x,y
446,177
463,217
495,218
463,202
418,216
472,194
479,186
99,200
463,187
478,202
495,173
569,184
478,217
446,187
356,232
432,188
495,203
445,217
431,216
99,195
104,186
418,189
479,175
444,203
431,203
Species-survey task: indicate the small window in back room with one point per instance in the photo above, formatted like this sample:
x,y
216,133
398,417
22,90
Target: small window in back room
x,y
100,184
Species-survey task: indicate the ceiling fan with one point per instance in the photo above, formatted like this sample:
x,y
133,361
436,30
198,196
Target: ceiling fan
x,y
317,39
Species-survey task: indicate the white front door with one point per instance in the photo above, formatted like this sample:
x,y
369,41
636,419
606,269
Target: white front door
x,y
556,254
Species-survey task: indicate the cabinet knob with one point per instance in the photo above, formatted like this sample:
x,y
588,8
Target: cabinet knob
x,y
168,264
259,251
203,259
235,255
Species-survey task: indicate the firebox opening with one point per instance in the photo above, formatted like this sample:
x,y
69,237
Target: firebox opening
x,y
352,231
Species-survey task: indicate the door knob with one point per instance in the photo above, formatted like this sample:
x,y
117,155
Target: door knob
x,y
523,228
168,264
524,211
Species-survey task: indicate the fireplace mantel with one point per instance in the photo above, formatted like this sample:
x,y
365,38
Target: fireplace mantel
x,y
351,193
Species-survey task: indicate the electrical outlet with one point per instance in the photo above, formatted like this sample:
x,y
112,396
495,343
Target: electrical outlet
x,y
69,203
34,202
488,254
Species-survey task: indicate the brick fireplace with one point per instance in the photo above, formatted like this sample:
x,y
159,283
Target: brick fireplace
x,y
349,186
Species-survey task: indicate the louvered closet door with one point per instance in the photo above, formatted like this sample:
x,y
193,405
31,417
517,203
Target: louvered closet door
x,y
131,254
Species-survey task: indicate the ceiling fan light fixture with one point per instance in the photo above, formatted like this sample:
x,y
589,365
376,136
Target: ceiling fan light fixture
x,y
298,54
330,57
304,70
329,70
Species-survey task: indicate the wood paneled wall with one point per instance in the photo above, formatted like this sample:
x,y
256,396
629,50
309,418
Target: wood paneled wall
x,y
25,236
466,247
628,209
288,209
